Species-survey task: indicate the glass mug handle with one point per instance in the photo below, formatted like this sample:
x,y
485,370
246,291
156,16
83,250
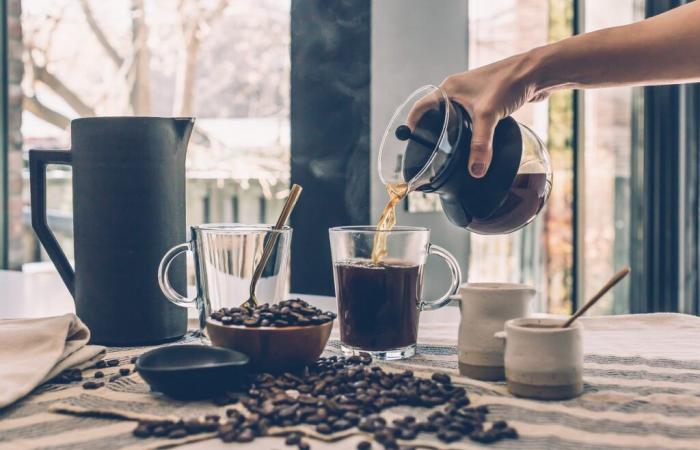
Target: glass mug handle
x,y
164,281
456,274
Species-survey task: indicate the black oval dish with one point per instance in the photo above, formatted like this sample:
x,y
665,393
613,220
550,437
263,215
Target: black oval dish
x,y
188,372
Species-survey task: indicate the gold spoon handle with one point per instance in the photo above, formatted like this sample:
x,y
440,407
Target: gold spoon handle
x,y
609,285
270,245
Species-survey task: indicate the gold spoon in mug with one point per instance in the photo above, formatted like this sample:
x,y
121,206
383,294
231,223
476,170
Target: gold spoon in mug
x,y
609,285
270,245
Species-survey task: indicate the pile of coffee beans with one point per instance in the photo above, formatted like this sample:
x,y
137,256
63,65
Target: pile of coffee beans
x,y
295,312
337,394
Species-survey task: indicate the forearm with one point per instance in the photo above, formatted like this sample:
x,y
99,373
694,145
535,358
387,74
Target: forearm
x,y
660,50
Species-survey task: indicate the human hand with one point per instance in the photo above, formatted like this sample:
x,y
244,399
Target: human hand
x,y
489,94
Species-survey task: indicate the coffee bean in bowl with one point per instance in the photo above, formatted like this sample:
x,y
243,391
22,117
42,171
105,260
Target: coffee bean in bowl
x,y
278,337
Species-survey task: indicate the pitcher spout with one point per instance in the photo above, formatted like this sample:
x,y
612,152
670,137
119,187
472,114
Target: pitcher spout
x,y
184,127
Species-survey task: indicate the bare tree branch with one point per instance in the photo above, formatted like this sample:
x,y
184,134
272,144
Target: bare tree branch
x,y
183,102
215,13
100,34
34,106
55,22
140,75
59,87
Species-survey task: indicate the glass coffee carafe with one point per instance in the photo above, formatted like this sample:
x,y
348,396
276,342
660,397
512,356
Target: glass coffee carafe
x,y
426,148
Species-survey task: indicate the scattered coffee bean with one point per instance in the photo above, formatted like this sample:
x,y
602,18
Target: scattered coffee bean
x,y
294,312
335,394
124,371
177,433
441,377
293,439
160,431
500,424
101,364
229,398
246,435
483,409
324,428
99,374
141,431
93,384
364,445
112,362
68,376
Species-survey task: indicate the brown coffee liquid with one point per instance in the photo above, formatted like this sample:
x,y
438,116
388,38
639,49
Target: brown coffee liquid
x,y
378,304
535,325
397,191
524,201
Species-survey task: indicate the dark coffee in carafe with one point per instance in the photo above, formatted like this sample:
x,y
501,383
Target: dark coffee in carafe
x,y
378,304
524,200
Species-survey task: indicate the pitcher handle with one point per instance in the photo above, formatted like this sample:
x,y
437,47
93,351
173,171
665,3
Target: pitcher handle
x,y
164,280
38,160
456,280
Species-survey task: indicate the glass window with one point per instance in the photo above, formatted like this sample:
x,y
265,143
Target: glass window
x,y
542,252
225,62
607,124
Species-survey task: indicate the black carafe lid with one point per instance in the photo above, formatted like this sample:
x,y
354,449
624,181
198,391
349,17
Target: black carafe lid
x,y
464,197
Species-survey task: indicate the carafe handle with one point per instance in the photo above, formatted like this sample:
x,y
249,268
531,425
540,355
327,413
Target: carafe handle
x,y
456,279
38,160
164,281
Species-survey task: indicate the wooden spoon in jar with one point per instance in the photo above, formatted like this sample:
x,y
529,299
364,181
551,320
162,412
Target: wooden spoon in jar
x,y
270,244
609,285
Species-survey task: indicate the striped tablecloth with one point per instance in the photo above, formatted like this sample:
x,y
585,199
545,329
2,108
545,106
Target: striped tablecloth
x,y
642,390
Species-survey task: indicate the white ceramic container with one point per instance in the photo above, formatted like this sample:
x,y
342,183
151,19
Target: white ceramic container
x,y
485,307
545,361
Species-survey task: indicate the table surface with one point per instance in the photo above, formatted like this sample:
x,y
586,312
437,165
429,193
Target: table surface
x,y
42,294
642,375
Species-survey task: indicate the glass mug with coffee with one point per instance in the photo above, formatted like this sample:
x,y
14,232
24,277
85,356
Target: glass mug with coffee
x,y
379,297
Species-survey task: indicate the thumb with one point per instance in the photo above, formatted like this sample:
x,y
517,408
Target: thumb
x,y
482,144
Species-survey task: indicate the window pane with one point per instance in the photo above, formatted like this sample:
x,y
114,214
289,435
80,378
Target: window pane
x,y
225,62
541,253
608,125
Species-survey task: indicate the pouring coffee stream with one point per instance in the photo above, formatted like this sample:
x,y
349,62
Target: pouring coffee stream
x,y
387,220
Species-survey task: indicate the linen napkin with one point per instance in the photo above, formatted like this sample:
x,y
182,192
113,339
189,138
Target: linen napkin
x,y
33,351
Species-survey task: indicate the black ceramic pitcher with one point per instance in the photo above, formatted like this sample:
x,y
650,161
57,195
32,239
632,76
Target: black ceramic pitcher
x,y
128,210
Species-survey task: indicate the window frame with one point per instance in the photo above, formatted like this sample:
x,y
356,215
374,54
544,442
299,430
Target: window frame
x,y
3,138
665,191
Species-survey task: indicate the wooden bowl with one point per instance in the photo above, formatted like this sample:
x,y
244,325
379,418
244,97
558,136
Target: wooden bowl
x,y
272,349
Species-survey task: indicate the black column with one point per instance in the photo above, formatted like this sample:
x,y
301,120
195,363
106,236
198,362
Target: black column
x,y
690,221
656,263
330,104
659,280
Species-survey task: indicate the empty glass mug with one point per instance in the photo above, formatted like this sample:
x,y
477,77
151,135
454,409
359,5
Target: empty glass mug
x,y
225,257
379,300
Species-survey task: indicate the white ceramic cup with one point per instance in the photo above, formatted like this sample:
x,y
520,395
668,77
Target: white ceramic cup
x,y
485,307
543,360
